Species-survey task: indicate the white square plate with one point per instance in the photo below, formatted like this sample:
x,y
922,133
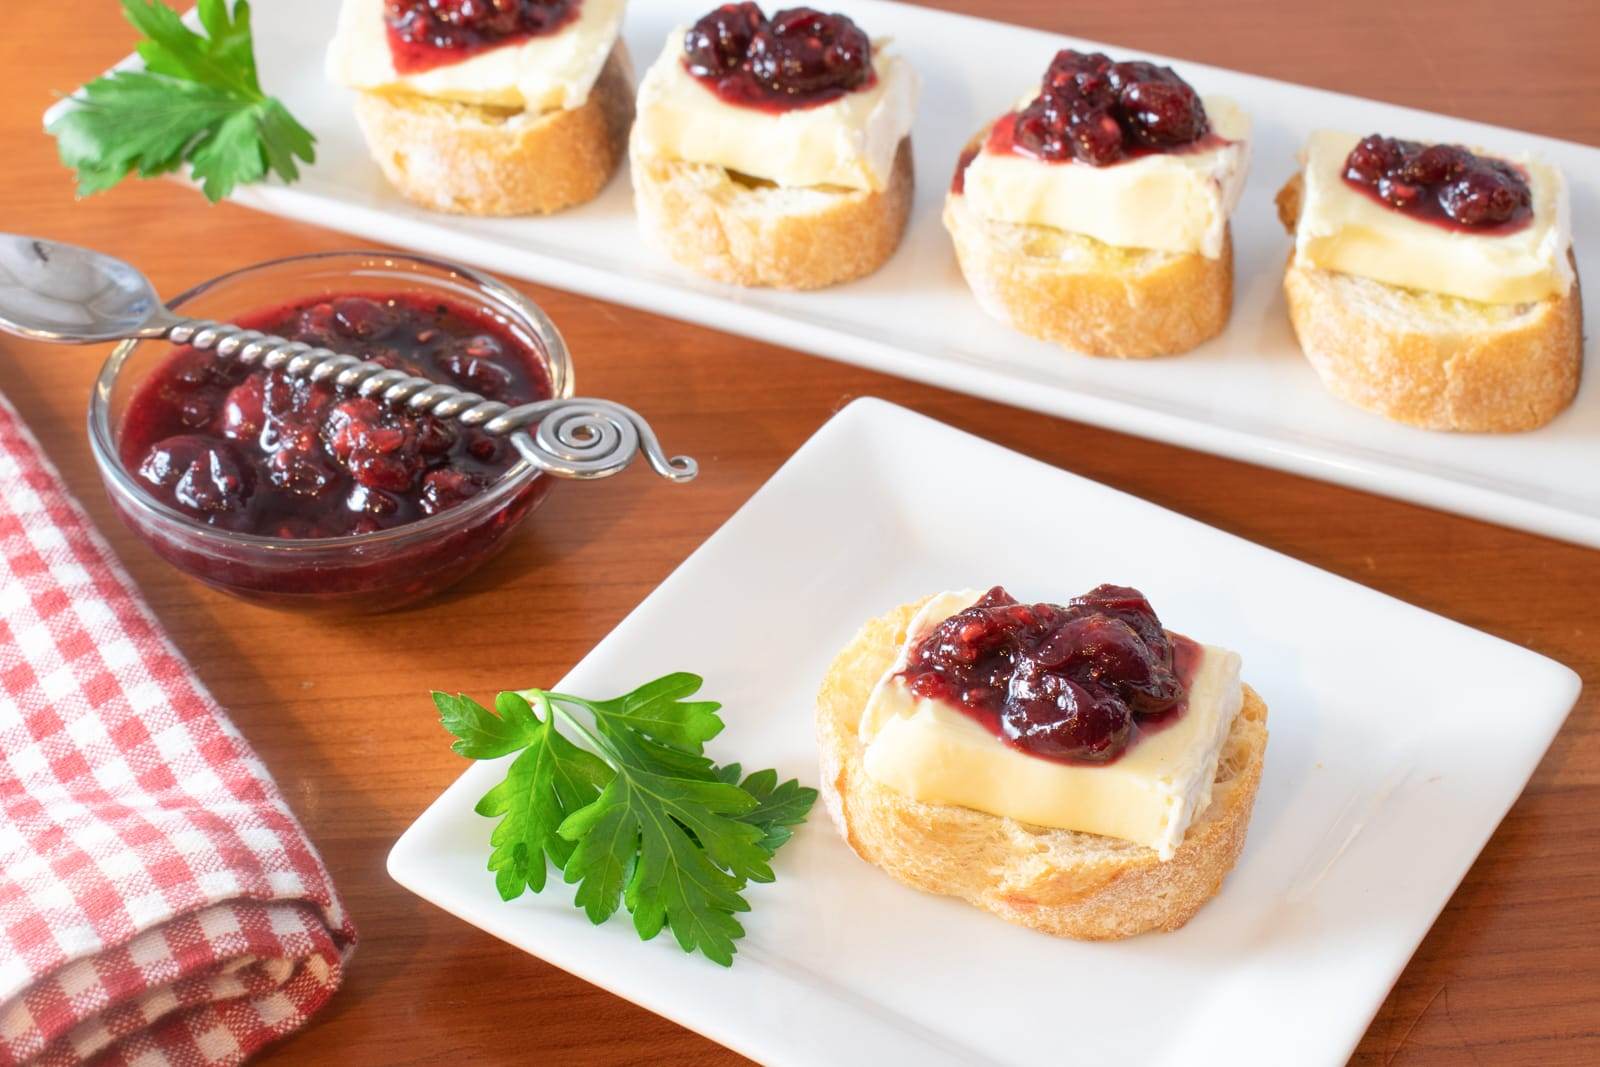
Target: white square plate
x,y
1248,394
1399,739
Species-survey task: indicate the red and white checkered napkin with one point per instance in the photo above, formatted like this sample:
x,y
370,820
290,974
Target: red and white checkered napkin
x,y
159,904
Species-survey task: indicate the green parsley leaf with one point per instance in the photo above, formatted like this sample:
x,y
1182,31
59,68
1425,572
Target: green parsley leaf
x,y
133,121
658,712
779,807
283,140
480,733
645,821
232,41
224,158
550,780
198,101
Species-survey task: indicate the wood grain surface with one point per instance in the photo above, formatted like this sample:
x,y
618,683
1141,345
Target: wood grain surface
x,y
1509,974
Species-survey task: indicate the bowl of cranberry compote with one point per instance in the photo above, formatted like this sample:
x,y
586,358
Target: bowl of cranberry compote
x,y
296,494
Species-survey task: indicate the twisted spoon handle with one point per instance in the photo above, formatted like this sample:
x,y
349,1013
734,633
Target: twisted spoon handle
x,y
574,438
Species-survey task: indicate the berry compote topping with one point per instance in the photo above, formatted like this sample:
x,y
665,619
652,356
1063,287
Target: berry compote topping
x,y
424,34
799,57
257,452
1072,683
1443,183
1099,112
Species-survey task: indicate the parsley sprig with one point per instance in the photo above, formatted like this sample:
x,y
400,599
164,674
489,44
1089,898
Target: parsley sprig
x,y
197,101
640,818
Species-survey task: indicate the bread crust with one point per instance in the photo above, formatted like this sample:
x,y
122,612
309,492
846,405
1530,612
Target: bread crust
x,y
1430,360
1069,884
758,234
471,160
1083,294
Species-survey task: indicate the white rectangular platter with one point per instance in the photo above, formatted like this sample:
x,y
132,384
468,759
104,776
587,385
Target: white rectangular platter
x,y
1387,769
1249,394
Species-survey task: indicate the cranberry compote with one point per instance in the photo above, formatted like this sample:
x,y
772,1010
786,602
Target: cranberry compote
x,y
257,452
424,34
799,57
1101,112
1442,183
1070,682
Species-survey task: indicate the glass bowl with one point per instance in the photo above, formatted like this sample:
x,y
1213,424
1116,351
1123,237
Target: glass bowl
x,y
359,572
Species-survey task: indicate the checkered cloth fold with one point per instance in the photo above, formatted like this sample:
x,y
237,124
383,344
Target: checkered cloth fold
x,y
159,904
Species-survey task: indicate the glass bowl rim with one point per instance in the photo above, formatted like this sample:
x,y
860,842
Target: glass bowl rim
x,y
558,364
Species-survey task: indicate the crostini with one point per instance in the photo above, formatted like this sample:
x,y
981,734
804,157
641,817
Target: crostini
x,y
1095,214
510,107
775,152
1434,284
1072,768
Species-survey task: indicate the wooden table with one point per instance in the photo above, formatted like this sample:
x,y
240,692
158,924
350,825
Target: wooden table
x,y
1509,974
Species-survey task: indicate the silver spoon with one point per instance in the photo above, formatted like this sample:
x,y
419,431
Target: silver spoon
x,y
69,295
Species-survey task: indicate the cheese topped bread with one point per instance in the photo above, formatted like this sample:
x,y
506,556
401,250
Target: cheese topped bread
x,y
483,114
1095,214
1434,284
775,152
924,790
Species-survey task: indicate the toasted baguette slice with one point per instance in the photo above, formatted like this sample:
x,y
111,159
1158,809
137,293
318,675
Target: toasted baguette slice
x,y
473,160
1058,881
744,231
1083,294
1431,360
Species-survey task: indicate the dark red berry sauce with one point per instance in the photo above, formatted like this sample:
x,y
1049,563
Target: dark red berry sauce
x,y
424,34
1074,683
256,452
1443,184
1100,112
798,58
